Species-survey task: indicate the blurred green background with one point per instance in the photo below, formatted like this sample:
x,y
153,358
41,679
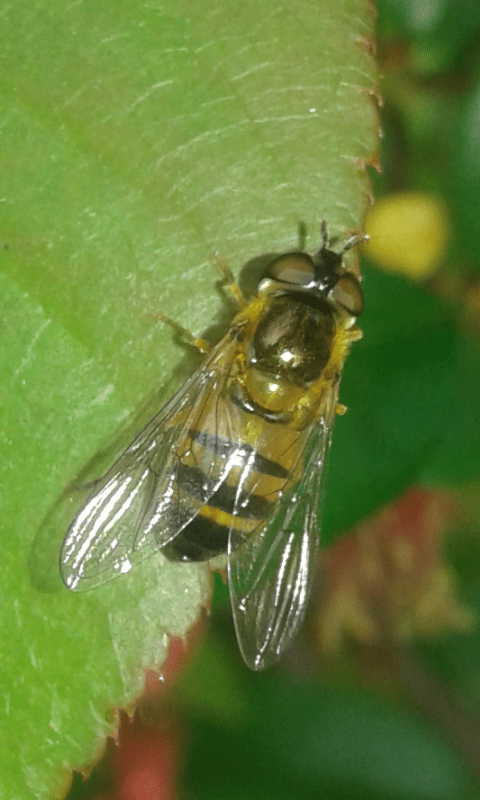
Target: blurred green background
x,y
380,697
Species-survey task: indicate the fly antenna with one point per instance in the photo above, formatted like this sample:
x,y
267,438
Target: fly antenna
x,y
324,234
354,240
302,236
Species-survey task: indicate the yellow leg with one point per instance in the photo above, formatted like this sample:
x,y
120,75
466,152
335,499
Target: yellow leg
x,y
340,409
230,283
355,335
200,344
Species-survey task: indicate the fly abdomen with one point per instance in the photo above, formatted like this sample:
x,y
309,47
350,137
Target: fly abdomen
x,y
220,507
201,540
223,448
221,496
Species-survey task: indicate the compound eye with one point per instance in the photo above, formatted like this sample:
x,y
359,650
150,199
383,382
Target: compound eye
x,y
294,268
348,293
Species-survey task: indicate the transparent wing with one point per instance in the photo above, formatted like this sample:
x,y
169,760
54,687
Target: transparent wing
x,y
270,575
126,516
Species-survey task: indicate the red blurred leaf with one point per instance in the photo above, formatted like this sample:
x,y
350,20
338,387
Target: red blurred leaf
x,y
387,580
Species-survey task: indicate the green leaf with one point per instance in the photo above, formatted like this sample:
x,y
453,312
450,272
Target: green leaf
x,y
136,140
308,741
456,459
440,34
399,384
466,178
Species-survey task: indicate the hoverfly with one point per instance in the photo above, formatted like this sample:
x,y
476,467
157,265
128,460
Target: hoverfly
x,y
233,462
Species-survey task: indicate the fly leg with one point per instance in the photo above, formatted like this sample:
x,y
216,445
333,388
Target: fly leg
x,y
230,283
189,338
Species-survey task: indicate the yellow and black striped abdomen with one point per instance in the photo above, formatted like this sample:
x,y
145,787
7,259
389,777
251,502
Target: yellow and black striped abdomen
x,y
229,483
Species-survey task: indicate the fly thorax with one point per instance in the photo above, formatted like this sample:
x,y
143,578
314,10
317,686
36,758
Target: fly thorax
x,y
270,393
290,349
